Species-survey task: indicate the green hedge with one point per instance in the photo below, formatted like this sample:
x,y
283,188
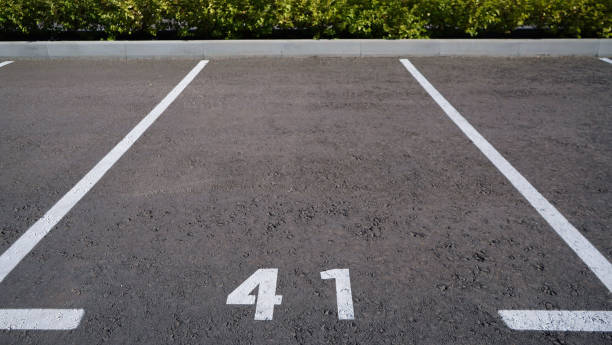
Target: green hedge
x,y
227,19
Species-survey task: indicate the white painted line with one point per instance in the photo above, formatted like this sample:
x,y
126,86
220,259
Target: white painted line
x,y
579,244
558,320
43,226
606,60
4,63
535,320
40,319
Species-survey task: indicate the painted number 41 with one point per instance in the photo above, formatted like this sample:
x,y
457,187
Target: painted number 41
x,y
265,280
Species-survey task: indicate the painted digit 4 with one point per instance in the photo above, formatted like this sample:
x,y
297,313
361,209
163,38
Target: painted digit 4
x,y
267,298
344,295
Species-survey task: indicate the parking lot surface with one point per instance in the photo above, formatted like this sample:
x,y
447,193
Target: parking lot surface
x,y
306,165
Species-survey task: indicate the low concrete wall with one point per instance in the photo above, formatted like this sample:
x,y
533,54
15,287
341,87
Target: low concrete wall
x,y
355,48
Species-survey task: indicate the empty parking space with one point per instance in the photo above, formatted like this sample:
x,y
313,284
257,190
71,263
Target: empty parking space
x,y
301,166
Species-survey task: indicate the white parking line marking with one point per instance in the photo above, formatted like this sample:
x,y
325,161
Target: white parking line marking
x,y
579,244
43,226
4,63
558,320
606,60
40,319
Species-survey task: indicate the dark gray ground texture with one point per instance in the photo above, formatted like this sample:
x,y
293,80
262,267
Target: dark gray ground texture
x,y
305,165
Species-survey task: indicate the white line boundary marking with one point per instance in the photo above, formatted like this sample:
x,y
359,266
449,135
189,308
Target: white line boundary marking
x,y
43,226
24,244
606,60
4,63
558,320
579,244
40,319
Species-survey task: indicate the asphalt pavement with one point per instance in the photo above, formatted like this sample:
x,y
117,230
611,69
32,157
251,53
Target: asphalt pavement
x,y
305,165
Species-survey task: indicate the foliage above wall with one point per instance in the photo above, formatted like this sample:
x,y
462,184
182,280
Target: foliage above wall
x,y
230,19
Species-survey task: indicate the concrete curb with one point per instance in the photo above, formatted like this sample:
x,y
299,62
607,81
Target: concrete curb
x,y
282,48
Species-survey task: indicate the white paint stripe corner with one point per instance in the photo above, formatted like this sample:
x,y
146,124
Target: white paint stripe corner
x,y
558,320
606,60
24,244
4,63
40,319
596,262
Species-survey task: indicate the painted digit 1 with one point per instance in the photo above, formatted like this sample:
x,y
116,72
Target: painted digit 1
x,y
344,296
